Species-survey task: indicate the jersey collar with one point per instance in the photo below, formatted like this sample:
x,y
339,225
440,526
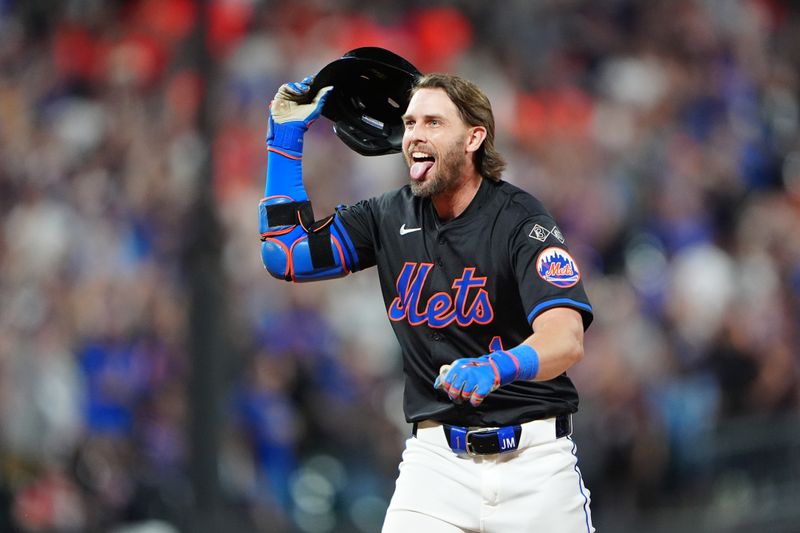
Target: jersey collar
x,y
481,198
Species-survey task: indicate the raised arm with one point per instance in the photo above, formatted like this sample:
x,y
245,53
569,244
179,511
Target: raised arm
x,y
295,247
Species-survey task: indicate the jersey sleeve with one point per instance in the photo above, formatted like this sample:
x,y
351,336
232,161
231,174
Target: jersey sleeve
x,y
357,224
547,274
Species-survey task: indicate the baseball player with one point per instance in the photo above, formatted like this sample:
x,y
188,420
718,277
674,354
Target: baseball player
x,y
485,299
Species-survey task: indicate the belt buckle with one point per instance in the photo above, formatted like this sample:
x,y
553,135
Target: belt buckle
x,y
468,443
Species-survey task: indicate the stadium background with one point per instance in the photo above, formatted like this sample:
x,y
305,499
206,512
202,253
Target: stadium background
x,y
142,343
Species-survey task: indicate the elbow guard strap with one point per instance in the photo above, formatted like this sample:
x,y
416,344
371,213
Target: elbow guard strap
x,y
296,248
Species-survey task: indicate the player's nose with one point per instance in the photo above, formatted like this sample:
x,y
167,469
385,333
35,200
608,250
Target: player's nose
x,y
413,137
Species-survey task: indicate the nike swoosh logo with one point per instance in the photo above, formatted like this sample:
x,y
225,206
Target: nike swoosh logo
x,y
404,230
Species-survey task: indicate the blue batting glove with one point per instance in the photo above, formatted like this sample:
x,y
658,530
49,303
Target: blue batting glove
x,y
472,379
291,113
297,90
291,104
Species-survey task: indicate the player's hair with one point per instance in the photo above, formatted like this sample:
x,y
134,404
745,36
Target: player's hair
x,y
475,110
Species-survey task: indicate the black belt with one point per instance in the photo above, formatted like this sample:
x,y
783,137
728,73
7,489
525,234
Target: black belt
x,y
487,441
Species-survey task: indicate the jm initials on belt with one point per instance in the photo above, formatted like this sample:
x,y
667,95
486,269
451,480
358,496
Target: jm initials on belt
x,y
482,441
487,441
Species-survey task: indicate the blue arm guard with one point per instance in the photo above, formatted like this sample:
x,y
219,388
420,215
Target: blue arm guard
x,y
296,250
293,246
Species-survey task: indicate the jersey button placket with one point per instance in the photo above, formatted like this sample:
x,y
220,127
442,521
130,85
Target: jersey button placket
x,y
442,242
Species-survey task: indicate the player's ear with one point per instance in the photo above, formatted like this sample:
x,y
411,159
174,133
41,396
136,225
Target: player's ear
x,y
475,137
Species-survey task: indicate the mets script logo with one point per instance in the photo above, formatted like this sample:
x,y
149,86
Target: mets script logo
x,y
557,267
469,304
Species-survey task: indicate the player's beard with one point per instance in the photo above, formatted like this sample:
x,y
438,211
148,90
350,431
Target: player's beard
x,y
445,176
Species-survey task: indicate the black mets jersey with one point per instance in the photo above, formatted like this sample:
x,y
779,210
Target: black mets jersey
x,y
465,287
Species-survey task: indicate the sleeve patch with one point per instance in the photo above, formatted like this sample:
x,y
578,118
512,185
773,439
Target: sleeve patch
x,y
540,233
557,267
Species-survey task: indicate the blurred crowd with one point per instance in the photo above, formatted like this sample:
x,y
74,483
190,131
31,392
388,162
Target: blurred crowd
x,y
664,136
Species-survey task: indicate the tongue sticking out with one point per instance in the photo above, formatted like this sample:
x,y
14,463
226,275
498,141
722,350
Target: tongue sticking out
x,y
418,170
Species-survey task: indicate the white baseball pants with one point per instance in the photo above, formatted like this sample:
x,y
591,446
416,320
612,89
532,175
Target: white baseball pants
x,y
537,488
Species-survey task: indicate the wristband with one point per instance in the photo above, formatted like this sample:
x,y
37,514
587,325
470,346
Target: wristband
x,y
518,363
287,137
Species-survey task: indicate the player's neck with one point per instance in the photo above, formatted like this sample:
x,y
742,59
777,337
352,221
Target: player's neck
x,y
451,203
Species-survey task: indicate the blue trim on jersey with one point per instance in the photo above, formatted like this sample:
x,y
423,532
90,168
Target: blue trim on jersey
x,y
352,256
558,302
589,527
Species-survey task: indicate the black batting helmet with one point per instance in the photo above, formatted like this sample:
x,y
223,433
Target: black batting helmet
x,y
370,93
